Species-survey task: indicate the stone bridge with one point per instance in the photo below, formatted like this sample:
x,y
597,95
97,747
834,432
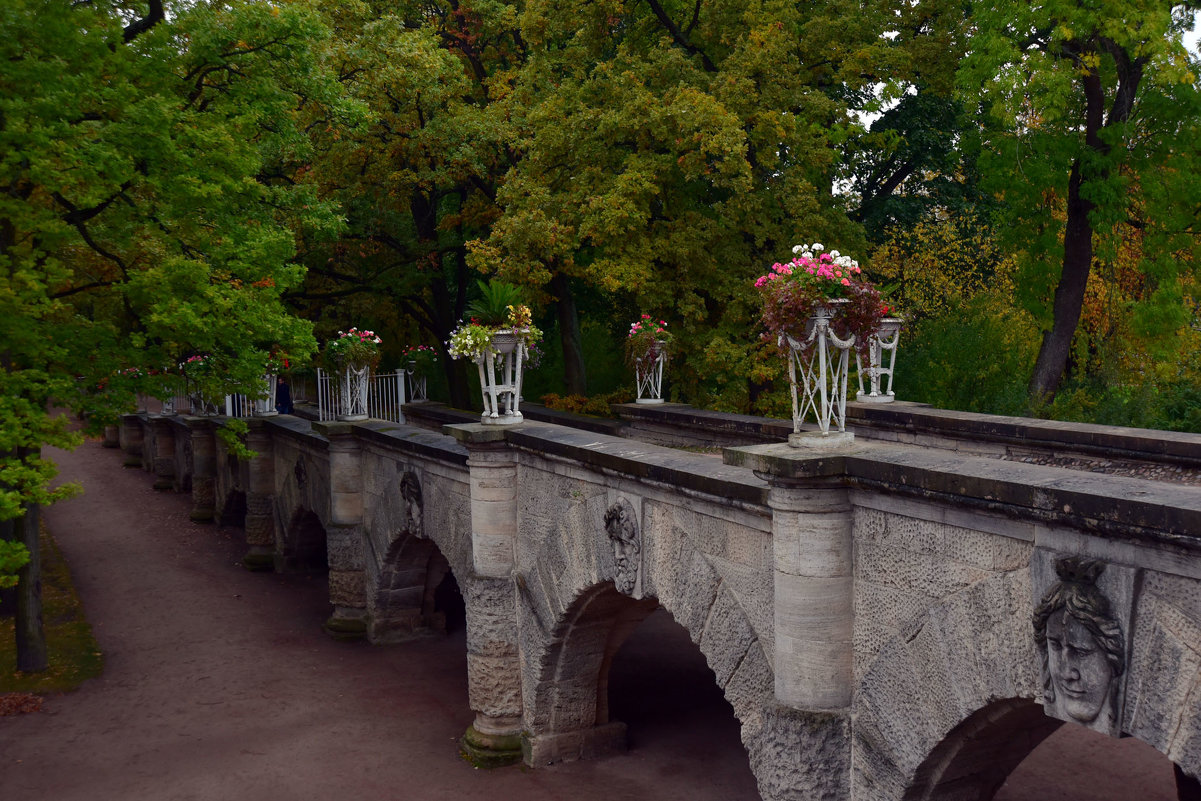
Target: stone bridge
x,y
906,618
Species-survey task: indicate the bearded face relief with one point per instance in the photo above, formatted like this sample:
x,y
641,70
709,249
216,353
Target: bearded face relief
x,y
1079,632
621,524
410,491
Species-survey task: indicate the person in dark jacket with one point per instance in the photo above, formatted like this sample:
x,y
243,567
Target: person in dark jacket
x,y
283,396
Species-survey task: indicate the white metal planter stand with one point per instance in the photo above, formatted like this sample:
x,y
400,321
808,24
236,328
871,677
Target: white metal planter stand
x,y
500,378
353,382
169,402
648,374
885,340
202,408
821,359
417,383
265,406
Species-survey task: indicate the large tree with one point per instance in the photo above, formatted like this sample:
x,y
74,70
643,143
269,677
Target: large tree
x,y
146,211
1089,113
420,178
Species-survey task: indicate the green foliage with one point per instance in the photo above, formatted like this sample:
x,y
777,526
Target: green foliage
x,y
232,434
1090,116
495,301
72,652
975,357
594,406
13,557
147,211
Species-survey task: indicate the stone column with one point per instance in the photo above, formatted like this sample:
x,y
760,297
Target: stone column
x,y
814,594
132,439
493,658
813,620
204,470
260,499
344,534
164,453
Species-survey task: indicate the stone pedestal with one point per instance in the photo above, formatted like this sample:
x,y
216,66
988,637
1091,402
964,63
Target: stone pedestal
x,y
344,538
204,470
112,437
493,673
164,453
132,439
260,500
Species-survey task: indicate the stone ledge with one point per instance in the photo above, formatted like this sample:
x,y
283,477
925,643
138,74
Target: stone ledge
x,y
1108,506
704,474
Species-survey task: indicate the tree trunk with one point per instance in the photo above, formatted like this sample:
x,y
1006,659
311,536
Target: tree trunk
x,y
31,636
569,337
8,595
1052,361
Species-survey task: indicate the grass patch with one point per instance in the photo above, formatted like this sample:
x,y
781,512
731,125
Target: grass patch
x,y
72,651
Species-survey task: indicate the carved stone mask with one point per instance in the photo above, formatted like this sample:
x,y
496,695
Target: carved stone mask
x,y
410,490
622,526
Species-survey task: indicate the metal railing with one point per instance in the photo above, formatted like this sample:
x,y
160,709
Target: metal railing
x,y
385,396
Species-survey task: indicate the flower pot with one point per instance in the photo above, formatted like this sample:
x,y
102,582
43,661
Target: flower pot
x,y
500,378
648,374
886,339
353,383
817,372
417,383
265,406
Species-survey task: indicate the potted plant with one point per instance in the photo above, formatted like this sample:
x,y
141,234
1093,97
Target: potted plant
x,y
498,331
422,360
819,307
353,354
646,351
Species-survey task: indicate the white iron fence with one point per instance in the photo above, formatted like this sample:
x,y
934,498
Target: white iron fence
x,y
385,396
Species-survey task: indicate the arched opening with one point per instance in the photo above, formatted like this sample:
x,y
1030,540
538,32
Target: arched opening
x,y
1011,751
416,594
233,510
621,674
1077,764
661,687
974,759
304,549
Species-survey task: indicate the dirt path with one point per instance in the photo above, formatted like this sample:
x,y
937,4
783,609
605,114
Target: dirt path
x,y
219,685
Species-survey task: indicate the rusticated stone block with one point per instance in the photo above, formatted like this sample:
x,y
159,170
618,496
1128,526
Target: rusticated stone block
x,y
346,588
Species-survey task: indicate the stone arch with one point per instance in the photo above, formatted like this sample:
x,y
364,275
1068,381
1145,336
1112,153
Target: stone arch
x,y
571,700
575,620
414,594
233,509
963,674
303,547
947,708
975,758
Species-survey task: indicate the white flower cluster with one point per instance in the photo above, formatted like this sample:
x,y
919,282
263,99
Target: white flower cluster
x,y
811,251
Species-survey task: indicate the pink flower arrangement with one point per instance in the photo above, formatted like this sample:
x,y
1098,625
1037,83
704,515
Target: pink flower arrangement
x,y
793,291
829,272
647,336
354,348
